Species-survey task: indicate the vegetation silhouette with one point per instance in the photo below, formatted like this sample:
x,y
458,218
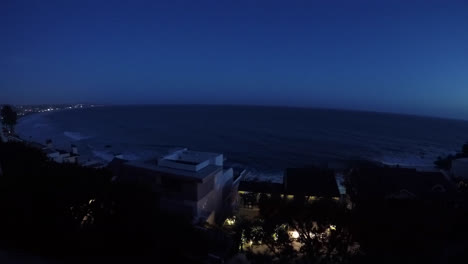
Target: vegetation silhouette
x,y
68,212
9,117
65,211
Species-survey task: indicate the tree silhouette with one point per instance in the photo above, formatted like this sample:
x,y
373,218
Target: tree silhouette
x,y
465,149
322,227
9,117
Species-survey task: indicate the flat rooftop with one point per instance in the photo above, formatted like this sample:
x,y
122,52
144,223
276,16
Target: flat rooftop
x,y
185,162
182,174
261,187
190,157
311,181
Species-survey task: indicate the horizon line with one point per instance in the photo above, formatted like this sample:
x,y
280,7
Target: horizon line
x,y
254,105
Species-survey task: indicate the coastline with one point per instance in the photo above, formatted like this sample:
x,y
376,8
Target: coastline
x,y
140,141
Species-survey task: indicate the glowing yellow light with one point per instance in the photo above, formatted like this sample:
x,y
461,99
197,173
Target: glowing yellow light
x,y
230,221
295,234
332,227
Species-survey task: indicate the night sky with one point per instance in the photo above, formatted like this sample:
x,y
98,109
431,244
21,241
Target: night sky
x,y
394,56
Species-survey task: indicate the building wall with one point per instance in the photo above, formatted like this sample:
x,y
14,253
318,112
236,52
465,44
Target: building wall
x,y
186,208
206,206
180,166
53,155
200,200
71,159
202,161
225,189
201,210
207,185
218,160
179,189
140,176
224,183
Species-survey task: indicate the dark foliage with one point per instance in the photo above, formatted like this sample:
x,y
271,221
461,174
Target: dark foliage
x,y
318,242
465,149
428,230
9,117
432,229
70,212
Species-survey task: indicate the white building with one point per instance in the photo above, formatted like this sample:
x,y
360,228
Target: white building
x,y
460,168
61,156
194,184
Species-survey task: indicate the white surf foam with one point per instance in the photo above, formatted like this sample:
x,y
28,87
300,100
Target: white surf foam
x,y
75,135
104,155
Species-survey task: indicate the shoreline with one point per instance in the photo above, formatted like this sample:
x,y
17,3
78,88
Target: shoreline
x,y
338,166
91,144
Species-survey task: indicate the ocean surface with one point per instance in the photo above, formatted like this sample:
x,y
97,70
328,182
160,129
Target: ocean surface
x,y
265,139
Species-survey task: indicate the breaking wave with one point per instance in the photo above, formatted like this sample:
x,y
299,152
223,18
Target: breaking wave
x,y
75,135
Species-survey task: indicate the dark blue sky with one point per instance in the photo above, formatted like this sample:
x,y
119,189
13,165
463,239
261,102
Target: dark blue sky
x,y
397,56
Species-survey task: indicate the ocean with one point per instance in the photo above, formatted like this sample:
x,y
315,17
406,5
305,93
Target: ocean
x,y
264,139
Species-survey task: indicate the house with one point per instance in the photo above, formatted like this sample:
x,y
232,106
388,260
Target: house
x,y
261,187
52,153
60,156
312,183
460,168
190,183
374,185
300,184
70,158
250,191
